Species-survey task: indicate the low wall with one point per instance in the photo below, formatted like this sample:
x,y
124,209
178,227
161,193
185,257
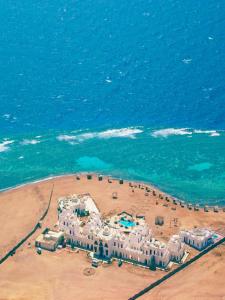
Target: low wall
x,y
23,240
181,267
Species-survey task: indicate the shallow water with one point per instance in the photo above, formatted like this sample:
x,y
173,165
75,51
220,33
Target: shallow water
x,y
189,166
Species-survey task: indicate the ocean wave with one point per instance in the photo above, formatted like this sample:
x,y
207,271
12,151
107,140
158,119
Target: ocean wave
x,y
29,142
171,131
210,132
123,132
65,137
182,131
107,134
4,146
215,134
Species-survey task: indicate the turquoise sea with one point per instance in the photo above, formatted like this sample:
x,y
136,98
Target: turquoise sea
x,y
133,88
189,164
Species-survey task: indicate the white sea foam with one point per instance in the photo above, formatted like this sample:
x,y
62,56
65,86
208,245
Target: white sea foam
x,y
66,138
215,133
171,131
183,131
108,80
30,142
4,146
187,61
107,134
210,132
123,132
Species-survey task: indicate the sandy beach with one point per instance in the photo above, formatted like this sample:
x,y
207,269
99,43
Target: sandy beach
x,y
27,275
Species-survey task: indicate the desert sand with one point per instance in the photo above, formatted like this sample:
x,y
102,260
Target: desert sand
x,y
61,275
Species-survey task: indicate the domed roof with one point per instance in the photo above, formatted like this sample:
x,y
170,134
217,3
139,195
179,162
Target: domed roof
x,y
106,230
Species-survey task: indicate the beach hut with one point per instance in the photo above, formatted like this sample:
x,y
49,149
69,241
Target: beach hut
x,y
189,206
216,209
100,177
159,220
182,203
196,207
206,208
89,176
114,195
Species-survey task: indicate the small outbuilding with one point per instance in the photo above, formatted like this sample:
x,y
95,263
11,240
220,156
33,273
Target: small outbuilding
x,y
159,220
49,240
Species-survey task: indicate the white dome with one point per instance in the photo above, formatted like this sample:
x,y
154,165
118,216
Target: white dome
x,y
106,230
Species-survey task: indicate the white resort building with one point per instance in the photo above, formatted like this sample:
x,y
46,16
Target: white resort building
x,y
198,238
122,236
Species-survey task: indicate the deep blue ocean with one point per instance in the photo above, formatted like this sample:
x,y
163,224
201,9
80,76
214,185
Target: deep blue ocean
x,y
135,89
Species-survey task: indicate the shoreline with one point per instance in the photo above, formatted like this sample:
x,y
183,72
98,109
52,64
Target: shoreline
x,y
22,206
150,185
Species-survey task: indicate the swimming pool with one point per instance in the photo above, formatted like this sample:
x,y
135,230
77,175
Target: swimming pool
x,y
127,223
